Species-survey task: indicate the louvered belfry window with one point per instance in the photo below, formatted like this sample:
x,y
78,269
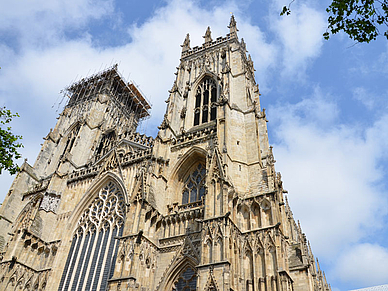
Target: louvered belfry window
x,y
194,187
93,249
205,102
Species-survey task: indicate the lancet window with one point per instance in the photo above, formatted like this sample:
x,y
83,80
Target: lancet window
x,y
194,187
105,144
71,138
187,281
205,102
94,248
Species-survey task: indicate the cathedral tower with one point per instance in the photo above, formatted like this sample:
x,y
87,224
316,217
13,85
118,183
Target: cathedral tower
x,y
199,207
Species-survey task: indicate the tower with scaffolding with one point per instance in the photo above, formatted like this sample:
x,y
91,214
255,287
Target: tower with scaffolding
x,y
198,207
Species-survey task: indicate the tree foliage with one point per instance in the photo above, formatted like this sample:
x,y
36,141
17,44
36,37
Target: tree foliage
x,y
361,20
9,144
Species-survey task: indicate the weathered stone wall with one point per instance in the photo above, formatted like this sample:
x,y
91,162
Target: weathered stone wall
x,y
228,228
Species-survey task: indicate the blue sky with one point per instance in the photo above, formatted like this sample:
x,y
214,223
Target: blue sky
x,y
326,101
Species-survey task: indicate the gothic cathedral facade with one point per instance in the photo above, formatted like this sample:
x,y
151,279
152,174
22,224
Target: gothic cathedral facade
x,y
198,207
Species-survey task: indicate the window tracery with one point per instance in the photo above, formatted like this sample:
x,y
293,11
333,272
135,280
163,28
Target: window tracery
x,y
187,281
94,247
194,187
205,102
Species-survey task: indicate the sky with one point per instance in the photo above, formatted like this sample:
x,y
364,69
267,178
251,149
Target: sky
x,y
326,101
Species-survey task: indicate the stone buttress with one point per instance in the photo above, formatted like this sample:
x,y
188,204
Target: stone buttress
x,y
198,207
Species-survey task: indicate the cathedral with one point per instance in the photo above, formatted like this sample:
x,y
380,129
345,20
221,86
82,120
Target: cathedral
x,y
198,207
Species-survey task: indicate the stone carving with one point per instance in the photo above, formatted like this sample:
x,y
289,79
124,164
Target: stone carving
x,y
50,202
183,112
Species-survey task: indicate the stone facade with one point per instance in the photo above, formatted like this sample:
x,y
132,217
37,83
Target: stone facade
x,y
199,207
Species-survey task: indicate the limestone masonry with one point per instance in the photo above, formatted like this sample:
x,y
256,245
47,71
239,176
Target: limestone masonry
x,y
199,207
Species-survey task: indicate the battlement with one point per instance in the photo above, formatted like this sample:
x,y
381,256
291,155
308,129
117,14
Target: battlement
x,y
216,42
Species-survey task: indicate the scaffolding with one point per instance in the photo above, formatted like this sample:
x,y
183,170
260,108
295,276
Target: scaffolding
x,y
109,82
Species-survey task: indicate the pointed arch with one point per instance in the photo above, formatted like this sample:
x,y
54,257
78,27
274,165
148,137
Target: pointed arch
x,y
71,135
72,127
107,142
248,266
256,215
205,99
97,221
244,216
176,270
271,266
219,248
191,156
180,175
267,214
91,193
202,76
27,215
260,261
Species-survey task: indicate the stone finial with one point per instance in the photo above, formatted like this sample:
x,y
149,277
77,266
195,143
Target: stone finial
x,y
243,45
186,43
232,27
208,35
250,62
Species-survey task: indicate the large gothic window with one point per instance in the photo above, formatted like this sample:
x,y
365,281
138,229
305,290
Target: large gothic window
x,y
194,187
94,247
205,102
187,281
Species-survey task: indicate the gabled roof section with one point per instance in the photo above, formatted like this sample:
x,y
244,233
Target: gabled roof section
x,y
109,81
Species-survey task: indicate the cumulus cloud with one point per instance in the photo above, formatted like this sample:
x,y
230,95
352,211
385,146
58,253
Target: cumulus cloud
x,y
43,22
299,34
360,94
331,169
335,182
364,264
33,72
328,165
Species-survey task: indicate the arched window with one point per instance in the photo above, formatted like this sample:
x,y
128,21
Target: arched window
x,y
94,247
71,138
187,281
205,102
105,145
194,187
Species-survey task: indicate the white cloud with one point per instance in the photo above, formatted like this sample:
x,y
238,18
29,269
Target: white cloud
x,y
361,95
364,264
42,22
331,171
300,36
33,75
